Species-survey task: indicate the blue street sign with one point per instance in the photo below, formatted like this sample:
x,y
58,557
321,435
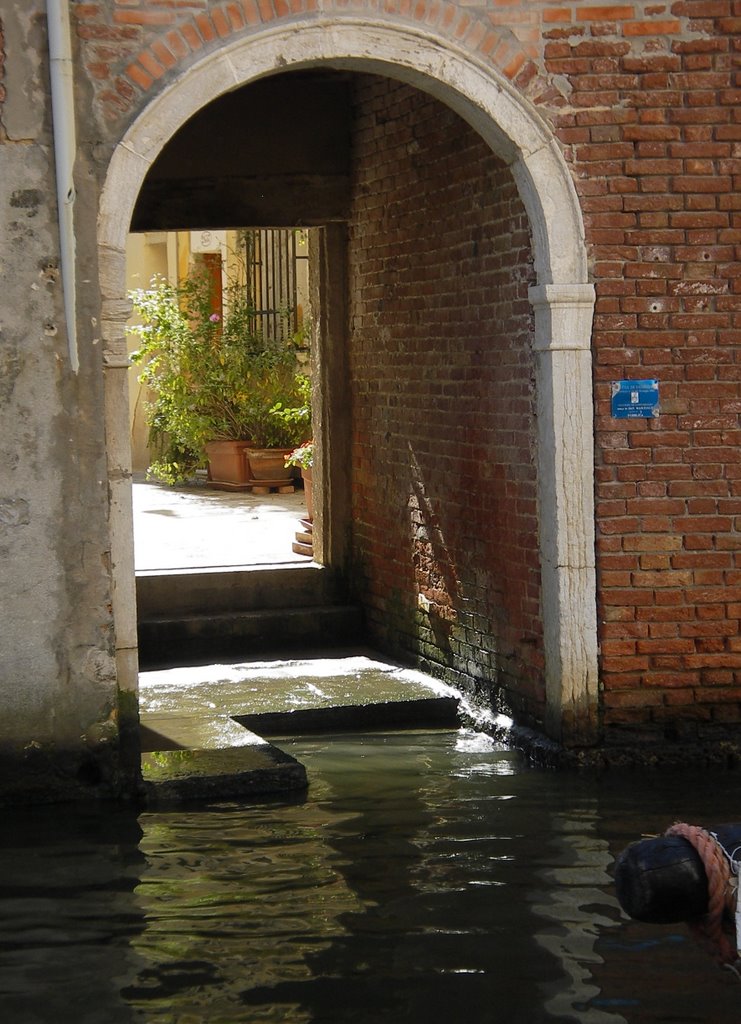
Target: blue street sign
x,y
635,398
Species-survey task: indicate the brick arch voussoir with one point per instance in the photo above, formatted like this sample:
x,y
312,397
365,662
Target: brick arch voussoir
x,y
171,50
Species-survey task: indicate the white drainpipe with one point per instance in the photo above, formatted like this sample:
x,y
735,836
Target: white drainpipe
x,y
63,116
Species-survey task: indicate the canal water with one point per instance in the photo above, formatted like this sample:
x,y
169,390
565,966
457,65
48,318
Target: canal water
x,y
431,878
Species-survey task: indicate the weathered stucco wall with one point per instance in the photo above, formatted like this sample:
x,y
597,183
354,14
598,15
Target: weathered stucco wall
x,y
58,689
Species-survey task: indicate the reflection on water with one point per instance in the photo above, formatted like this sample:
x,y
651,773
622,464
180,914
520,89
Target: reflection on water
x,y
425,878
574,902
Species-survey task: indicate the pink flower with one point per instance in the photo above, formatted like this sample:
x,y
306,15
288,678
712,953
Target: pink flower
x,y
214,318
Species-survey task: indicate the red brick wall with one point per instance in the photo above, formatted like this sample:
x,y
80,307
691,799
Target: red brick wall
x,y
654,137
444,486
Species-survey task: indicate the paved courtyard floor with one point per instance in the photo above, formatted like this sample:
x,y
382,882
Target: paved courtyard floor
x,y
194,526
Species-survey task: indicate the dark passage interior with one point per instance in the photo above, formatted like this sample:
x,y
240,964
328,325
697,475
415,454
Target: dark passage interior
x,y
425,376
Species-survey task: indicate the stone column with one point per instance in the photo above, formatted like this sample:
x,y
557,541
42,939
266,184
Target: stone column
x,y
331,396
116,363
563,320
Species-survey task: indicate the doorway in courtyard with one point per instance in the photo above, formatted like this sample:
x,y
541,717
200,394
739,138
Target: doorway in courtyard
x,y
220,338
452,394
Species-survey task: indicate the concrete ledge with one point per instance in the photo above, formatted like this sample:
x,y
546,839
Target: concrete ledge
x,y
191,732
721,754
180,776
211,757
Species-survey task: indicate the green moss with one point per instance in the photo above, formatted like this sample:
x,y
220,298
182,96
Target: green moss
x,y
129,765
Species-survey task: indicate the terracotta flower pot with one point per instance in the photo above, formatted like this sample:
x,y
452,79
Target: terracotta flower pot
x,y
269,463
227,464
306,474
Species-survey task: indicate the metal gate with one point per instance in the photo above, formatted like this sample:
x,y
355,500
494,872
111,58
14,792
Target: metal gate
x,y
271,260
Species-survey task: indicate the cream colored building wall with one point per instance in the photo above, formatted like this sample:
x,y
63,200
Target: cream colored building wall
x,y
147,255
302,275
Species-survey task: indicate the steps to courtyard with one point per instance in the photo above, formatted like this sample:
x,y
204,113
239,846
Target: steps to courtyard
x,y
195,615
233,655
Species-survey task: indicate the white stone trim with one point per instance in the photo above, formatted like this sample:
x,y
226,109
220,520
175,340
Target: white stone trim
x,y
563,300
563,322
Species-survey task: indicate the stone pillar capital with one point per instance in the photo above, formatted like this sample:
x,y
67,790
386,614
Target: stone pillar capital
x,y
563,316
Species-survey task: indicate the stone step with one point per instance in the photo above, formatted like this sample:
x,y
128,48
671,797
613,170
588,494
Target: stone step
x,y
434,712
198,706
183,639
173,592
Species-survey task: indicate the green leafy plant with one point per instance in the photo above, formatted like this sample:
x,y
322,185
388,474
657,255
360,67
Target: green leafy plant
x,y
292,422
213,377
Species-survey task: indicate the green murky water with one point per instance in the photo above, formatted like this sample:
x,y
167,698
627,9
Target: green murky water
x,y
424,878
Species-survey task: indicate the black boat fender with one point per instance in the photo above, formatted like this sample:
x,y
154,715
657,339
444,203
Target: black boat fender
x,y
689,874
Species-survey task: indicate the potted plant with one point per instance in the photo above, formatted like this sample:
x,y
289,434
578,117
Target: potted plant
x,y
214,381
303,458
282,421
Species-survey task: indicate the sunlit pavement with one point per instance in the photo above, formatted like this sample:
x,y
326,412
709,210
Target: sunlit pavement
x,y
196,527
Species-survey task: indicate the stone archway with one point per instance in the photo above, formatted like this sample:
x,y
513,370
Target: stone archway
x,y
563,301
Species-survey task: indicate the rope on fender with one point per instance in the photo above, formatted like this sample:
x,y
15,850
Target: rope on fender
x,y
721,891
